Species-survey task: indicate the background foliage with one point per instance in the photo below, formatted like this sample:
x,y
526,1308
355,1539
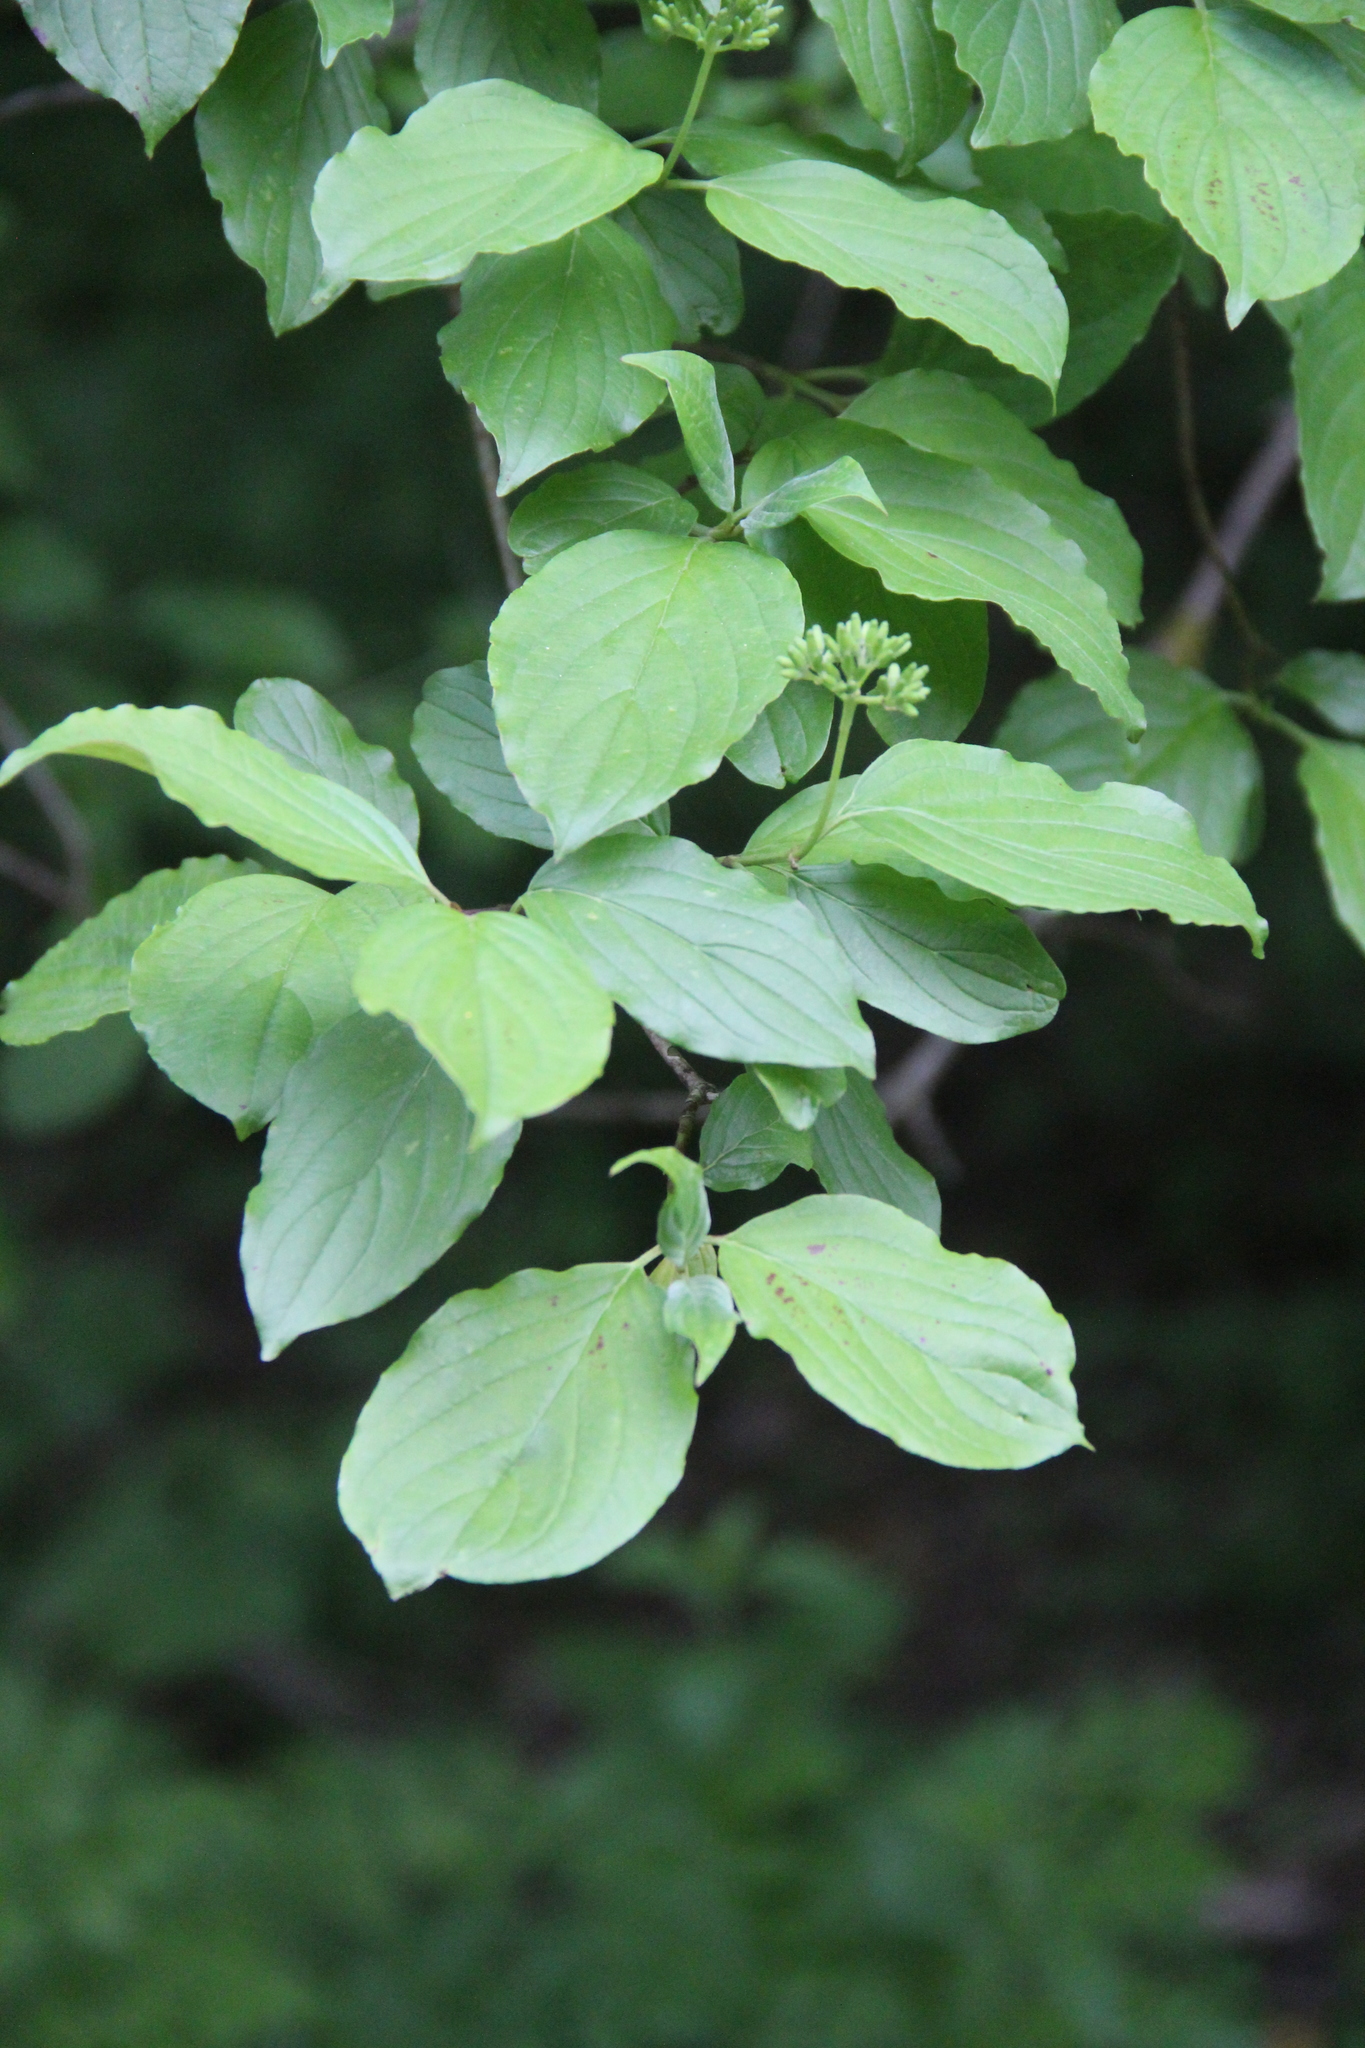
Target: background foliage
x,y
965,1757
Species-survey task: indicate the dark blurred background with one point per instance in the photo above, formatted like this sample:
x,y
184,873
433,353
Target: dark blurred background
x,y
849,1751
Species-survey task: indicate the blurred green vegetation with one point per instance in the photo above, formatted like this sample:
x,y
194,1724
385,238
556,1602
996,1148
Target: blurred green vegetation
x,y
942,1758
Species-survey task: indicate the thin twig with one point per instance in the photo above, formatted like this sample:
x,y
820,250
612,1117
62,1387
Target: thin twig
x,y
1184,636
907,1092
621,1106
486,455
700,1092
34,875
1256,647
65,820
43,99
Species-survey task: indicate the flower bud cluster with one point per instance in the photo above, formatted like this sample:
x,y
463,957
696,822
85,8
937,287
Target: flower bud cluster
x,y
846,660
721,24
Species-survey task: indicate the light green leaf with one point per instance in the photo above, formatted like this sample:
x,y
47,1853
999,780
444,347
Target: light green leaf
x,y
1032,60
1332,776
1016,830
599,498
949,530
801,1092
704,955
701,1308
691,383
1119,269
951,639
938,258
720,148
155,57
1195,749
485,169
85,976
1252,134
624,670
367,1179
967,969
695,261
742,403
1313,10
268,124
455,737
234,990
299,723
946,415
507,1010
228,778
1328,336
842,478
746,1141
527,1430
855,1153
1333,683
787,738
549,45
539,342
959,1359
902,66
685,1216
342,22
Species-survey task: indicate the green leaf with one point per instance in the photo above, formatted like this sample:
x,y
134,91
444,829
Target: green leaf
x,y
902,66
1032,60
959,1359
1119,269
1252,134
455,738
342,22
368,1177
855,1153
624,670
527,1430
1333,683
271,120
1016,830
967,970
598,498
1332,776
484,169
1078,174
691,383
700,1308
704,955
746,1142
1328,336
549,45
85,976
949,530
1195,749
508,1011
70,1083
937,258
234,990
299,723
842,478
155,57
946,415
801,1092
951,639
685,1216
539,342
228,778
787,738
695,261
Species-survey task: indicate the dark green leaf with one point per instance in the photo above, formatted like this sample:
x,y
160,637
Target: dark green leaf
x,y
801,1092
270,121
455,737
855,1153
595,499
746,1141
1328,333
550,45
1332,776
155,57
368,1177
1032,60
342,22
903,67
527,1430
695,261
787,738
1333,683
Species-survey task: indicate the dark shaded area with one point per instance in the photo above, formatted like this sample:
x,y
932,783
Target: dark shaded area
x,y
853,1744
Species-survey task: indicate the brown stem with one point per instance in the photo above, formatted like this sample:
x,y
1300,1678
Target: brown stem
x,y
34,875
907,1093
43,99
1256,648
700,1092
486,455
